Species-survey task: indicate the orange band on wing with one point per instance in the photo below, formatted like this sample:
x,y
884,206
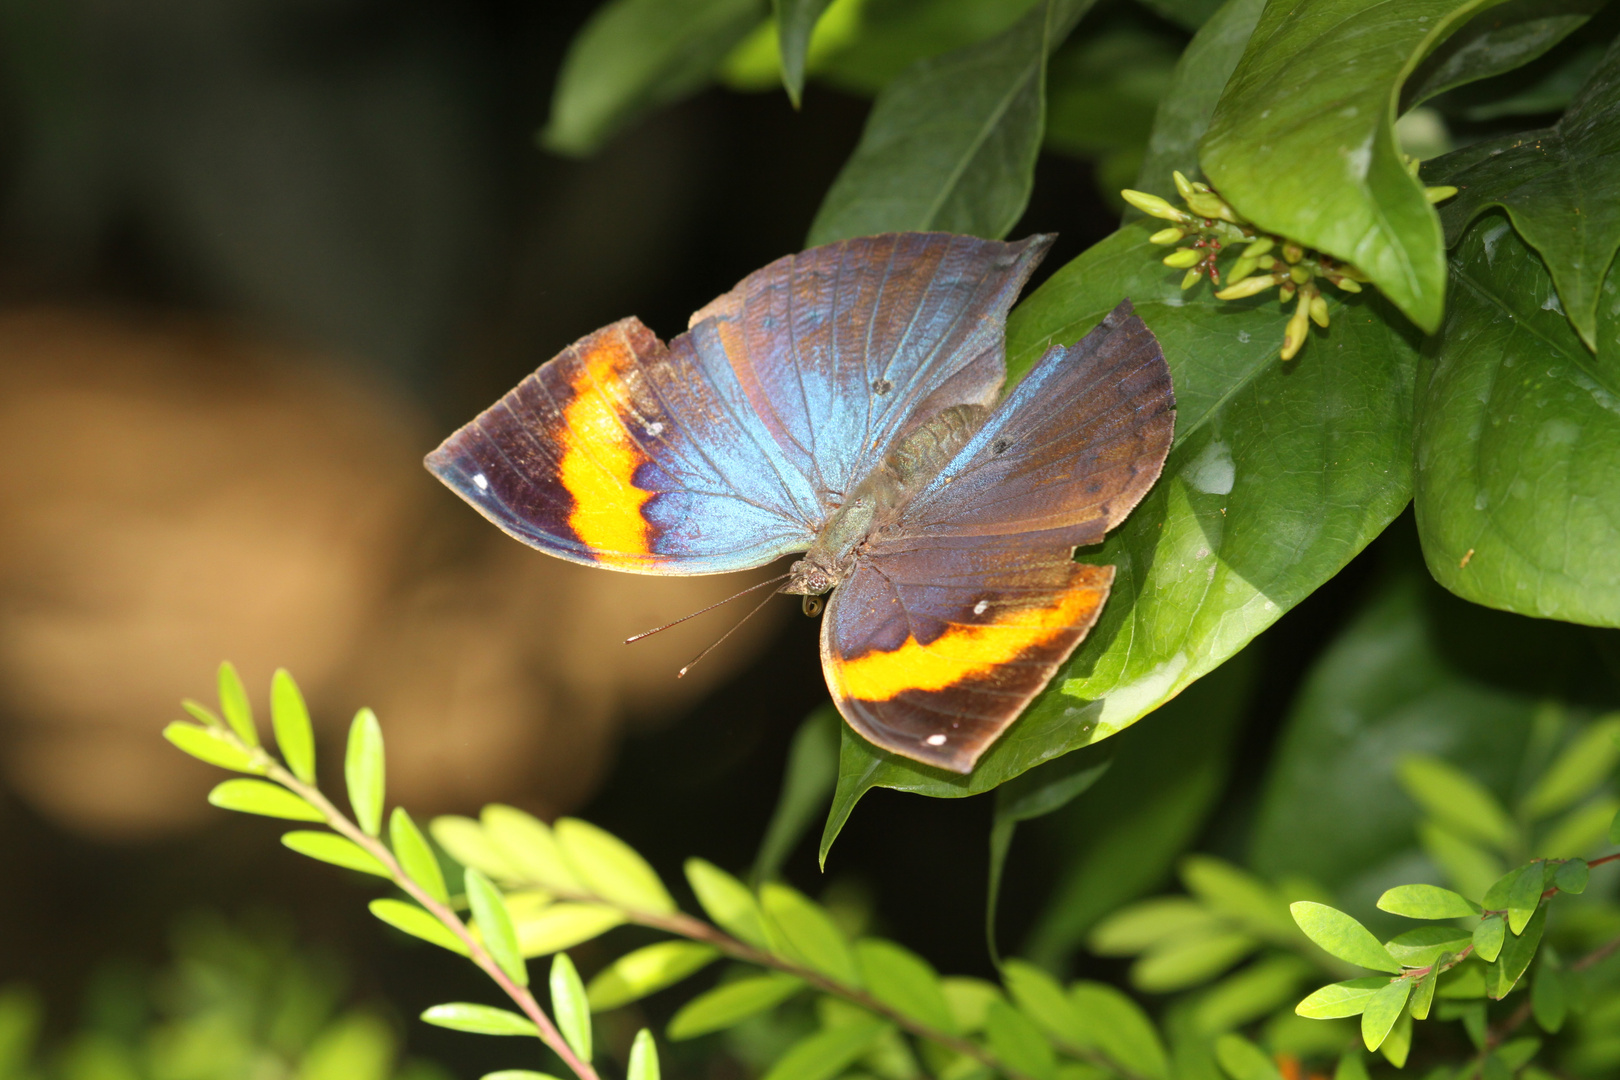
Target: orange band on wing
x,y
599,461
962,652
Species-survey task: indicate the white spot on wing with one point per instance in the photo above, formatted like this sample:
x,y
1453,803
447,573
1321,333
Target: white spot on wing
x,y
656,428
981,607
935,740
482,481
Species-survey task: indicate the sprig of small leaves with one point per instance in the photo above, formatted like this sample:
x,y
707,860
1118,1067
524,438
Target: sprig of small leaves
x,y
1265,260
535,889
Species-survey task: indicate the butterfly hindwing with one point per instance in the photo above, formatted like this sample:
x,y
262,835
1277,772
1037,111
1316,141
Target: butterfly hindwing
x,y
964,605
841,347
622,452
932,652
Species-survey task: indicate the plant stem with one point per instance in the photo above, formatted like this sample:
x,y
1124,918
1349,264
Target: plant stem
x,y
480,956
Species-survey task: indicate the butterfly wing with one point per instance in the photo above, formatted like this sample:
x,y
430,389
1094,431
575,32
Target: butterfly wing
x,y
840,348
625,453
961,610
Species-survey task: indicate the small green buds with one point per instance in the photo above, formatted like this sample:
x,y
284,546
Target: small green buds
x,y
1259,247
1184,187
1240,270
1292,252
1348,284
1165,237
1439,194
1319,311
1154,206
1249,286
1298,326
1184,258
1190,279
1299,274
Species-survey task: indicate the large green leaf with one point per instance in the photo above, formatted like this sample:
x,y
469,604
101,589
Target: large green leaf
x,y
951,144
1496,41
1314,156
1278,475
796,20
636,55
1558,186
1518,441
1195,87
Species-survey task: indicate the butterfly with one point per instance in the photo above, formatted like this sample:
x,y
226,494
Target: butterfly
x,y
843,403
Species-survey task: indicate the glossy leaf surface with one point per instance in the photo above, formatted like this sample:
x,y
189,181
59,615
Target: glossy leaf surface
x,y
479,1019
1518,441
1496,40
206,744
262,797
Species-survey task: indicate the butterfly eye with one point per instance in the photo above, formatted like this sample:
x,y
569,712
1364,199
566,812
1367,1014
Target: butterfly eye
x,y
812,605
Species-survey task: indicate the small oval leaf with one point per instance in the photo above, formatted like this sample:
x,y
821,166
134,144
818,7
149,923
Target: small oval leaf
x,y
495,926
1572,876
1385,1007
1016,1040
1341,936
612,869
363,771
413,920
530,848
728,902
1426,902
828,1053
206,744
415,857
289,718
466,842
569,1005
1488,938
643,1058
233,702
562,926
731,1003
1348,998
905,982
335,849
801,931
479,1019
262,797
646,971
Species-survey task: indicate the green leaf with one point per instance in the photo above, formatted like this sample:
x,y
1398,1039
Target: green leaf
x,y
1317,161
1186,107
528,848
1578,831
1015,1039
1242,1060
903,981
969,1001
465,841
1571,877
611,868
1382,1010
1398,1043
1466,981
1554,185
206,744
562,926
1470,867
1341,936
728,902
1348,998
796,21
233,702
480,1019
1142,925
411,919
334,849
569,1006
263,797
1498,40
1578,771
634,56
1256,991
1255,508
1525,896
363,770
1488,938
1239,894
289,718
1190,960
494,924
1117,1026
1515,957
1042,999
1549,996
1456,799
647,970
950,145
1426,902
1508,394
801,931
643,1058
415,857
807,786
828,1053
731,1003
1350,1066
1423,991
1427,944
202,714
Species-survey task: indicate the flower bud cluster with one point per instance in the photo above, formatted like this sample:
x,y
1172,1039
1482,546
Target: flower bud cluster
x,y
1209,227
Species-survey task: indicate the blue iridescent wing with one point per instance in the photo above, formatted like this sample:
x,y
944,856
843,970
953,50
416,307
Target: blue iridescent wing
x,y
623,453
841,348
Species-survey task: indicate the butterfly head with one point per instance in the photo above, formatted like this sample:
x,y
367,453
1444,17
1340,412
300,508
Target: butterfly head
x,y
812,579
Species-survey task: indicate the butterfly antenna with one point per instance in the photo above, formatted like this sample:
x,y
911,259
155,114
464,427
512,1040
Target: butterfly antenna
x,y
700,611
757,608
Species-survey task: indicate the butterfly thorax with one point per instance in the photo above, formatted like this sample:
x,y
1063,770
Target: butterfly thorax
x,y
914,460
